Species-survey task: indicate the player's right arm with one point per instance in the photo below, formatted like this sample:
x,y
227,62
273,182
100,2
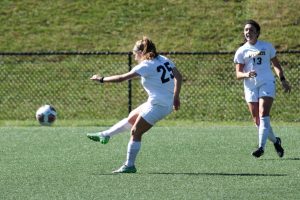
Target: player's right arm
x,y
240,74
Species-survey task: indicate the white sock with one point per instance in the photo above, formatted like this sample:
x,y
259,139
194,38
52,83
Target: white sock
x,y
133,149
263,131
272,136
119,127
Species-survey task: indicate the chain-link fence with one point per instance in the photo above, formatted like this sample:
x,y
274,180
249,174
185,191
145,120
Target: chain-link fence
x,y
210,91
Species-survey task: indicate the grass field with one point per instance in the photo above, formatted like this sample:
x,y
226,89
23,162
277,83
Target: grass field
x,y
178,160
207,161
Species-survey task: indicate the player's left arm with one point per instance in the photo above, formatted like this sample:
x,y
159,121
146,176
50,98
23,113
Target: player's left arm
x,y
115,78
279,72
177,88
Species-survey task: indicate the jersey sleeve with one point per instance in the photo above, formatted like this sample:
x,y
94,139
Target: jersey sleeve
x,y
239,57
140,69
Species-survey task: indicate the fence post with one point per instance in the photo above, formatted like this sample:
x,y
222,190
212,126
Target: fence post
x,y
129,83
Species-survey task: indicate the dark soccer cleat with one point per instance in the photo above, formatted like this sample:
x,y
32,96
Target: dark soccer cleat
x,y
278,147
259,152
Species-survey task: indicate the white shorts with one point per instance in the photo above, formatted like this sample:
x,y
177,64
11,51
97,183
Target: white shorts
x,y
154,113
264,90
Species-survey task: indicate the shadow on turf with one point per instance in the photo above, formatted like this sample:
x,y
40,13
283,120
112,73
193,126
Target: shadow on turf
x,y
200,174
283,159
217,174
292,159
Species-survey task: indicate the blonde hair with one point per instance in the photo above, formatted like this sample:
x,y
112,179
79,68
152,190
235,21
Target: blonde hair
x,y
147,47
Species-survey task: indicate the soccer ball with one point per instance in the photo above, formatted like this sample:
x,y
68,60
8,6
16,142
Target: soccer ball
x,y
46,115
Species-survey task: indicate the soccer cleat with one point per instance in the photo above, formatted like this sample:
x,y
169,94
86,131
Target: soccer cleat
x,y
98,138
259,152
125,169
278,147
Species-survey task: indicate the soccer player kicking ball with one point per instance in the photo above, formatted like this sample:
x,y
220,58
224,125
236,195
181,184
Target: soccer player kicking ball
x,y
253,64
162,81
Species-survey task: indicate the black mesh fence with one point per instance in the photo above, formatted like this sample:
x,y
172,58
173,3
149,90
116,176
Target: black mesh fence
x,y
210,91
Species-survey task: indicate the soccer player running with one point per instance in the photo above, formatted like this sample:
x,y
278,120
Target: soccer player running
x,y
162,81
253,64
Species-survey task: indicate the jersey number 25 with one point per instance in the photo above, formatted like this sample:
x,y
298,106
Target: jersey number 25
x,y
166,72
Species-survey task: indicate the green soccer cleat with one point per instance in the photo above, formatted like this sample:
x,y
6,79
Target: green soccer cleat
x,y
98,138
125,169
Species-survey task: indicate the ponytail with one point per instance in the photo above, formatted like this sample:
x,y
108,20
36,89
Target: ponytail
x,y
147,47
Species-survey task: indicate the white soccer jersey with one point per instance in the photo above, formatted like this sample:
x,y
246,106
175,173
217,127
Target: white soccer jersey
x,y
256,57
157,79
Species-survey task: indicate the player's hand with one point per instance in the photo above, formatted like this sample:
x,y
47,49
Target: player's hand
x,y
96,77
252,74
286,86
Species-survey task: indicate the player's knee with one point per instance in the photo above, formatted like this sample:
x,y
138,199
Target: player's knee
x,y
133,131
136,136
132,119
